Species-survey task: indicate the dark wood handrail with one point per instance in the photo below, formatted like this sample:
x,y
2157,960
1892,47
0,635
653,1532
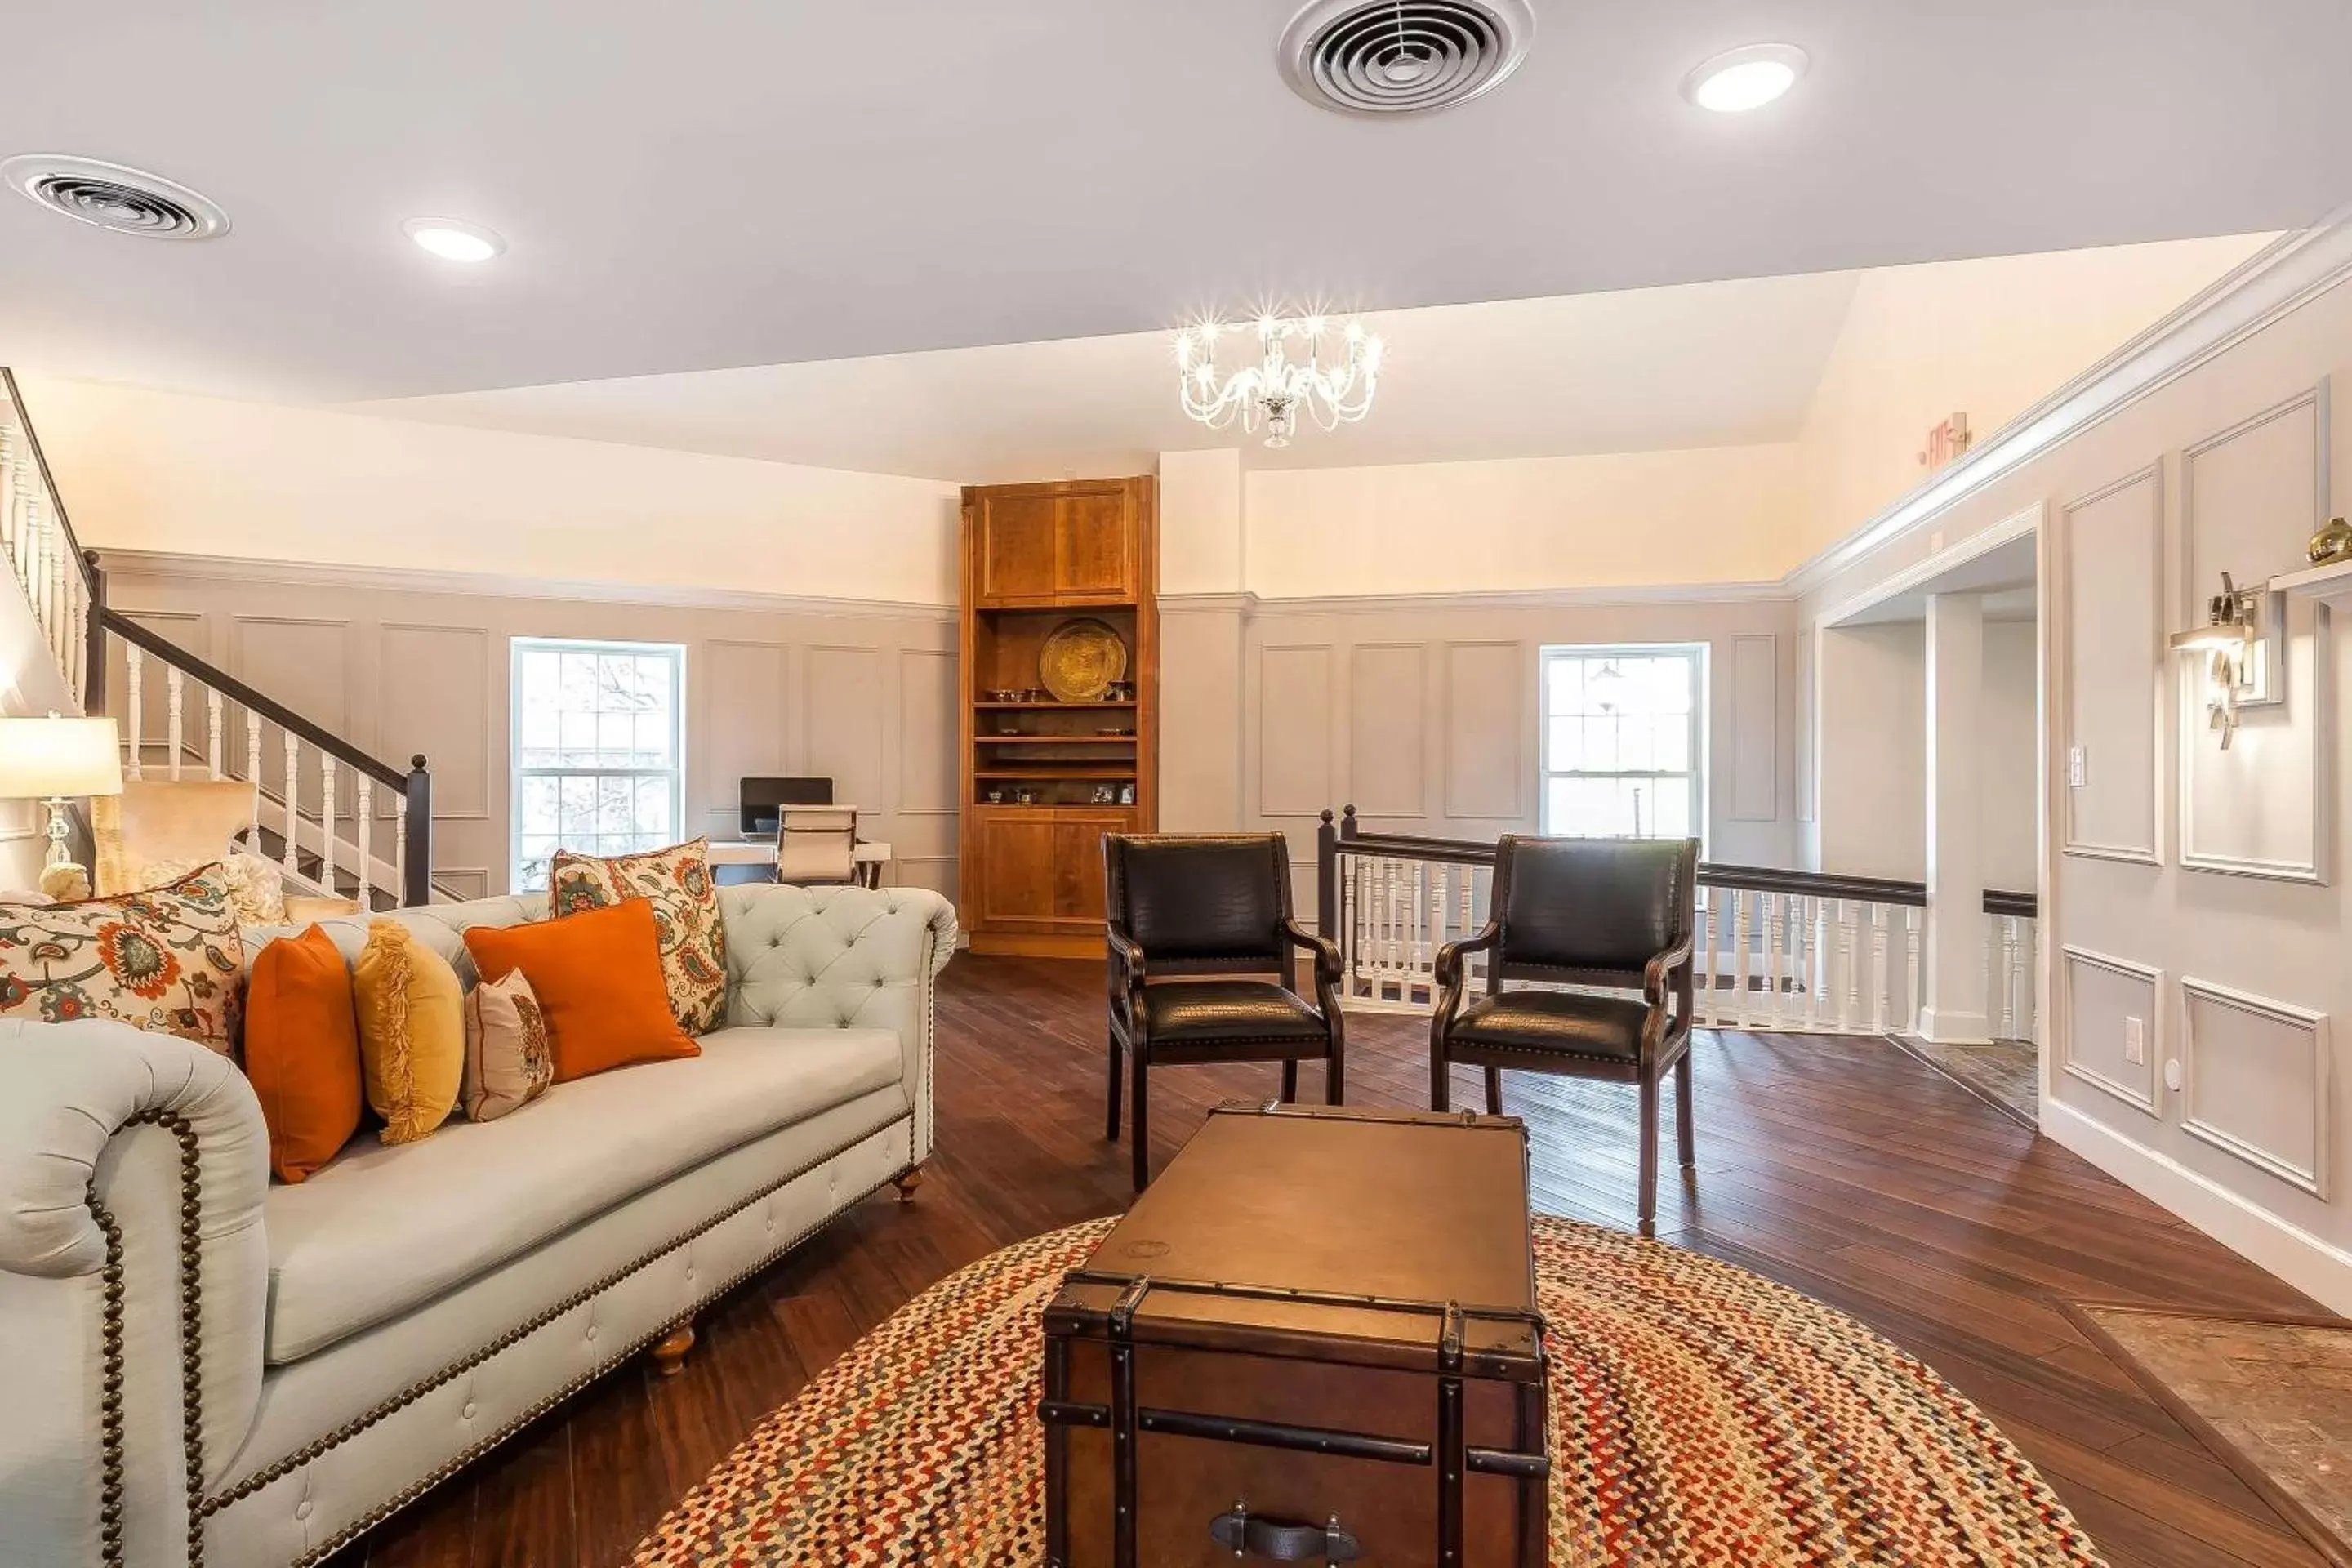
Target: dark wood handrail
x,y
50,484
1343,836
245,696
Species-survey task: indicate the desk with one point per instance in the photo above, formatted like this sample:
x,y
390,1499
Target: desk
x,y
868,856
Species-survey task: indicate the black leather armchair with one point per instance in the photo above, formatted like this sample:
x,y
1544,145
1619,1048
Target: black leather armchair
x,y
1201,943
1604,912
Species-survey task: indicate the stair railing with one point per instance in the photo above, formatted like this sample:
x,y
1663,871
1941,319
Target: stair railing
x,y
338,851
1775,951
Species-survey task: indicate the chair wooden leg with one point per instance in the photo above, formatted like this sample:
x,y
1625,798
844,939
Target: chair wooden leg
x,y
1649,1156
1141,1129
669,1351
1685,1135
1441,1084
1112,1126
1289,1080
1493,1092
1335,1076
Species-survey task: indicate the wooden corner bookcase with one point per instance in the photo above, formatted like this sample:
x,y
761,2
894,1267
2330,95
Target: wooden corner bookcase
x,y
1036,557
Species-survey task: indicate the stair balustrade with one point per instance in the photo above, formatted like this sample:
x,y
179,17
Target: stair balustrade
x,y
1774,951
374,845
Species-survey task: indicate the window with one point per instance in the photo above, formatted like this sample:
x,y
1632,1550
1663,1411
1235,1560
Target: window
x,y
599,743
1622,742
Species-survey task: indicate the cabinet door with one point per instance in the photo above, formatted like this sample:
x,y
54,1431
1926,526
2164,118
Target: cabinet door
x,y
1093,545
1018,538
1079,864
1041,871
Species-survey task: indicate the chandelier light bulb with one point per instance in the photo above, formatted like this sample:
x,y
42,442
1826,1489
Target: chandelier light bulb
x,y
1290,373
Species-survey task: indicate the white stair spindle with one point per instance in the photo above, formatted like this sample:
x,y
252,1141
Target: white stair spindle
x,y
1878,969
174,698
1710,900
1469,913
60,620
213,733
1913,998
1849,983
80,642
1775,918
8,479
365,824
133,687
31,569
293,794
252,770
1441,903
327,823
1742,1008
1805,990
1417,958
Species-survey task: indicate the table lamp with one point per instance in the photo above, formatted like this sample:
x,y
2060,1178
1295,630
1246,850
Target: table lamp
x,y
53,760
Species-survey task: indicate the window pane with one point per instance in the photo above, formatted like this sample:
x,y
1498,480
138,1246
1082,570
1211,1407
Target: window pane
x,y
1673,738
1673,815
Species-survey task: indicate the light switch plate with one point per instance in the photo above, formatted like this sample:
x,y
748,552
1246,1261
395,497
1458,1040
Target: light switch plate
x,y
2135,1042
2076,768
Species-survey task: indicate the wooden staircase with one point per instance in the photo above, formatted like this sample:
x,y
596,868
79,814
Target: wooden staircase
x,y
336,819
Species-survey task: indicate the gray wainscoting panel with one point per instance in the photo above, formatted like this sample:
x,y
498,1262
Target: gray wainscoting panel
x,y
742,708
1489,769
437,698
1755,729
843,699
1386,771
1294,747
2111,629
927,732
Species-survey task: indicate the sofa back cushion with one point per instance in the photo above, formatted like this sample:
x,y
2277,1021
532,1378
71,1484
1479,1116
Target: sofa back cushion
x,y
598,978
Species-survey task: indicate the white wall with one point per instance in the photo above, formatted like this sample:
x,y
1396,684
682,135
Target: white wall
x,y
1989,338
2198,890
159,471
1723,514
2007,762
1873,816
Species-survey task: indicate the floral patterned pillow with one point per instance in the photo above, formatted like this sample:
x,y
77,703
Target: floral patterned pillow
x,y
165,959
677,880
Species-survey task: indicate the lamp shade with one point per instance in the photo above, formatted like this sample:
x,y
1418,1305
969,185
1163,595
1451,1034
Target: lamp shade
x,y
45,757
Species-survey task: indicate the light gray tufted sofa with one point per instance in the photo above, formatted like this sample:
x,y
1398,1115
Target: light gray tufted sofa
x,y
198,1365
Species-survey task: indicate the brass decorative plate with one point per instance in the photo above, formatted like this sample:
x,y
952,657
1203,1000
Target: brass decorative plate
x,y
1080,659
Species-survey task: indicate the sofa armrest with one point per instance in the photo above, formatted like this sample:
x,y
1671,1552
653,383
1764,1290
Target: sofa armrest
x,y
132,1171
842,957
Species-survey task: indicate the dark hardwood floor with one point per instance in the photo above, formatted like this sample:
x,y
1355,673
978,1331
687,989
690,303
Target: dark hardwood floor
x,y
1842,1167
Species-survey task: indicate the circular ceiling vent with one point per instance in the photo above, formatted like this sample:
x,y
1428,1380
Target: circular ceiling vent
x,y
1403,57
129,201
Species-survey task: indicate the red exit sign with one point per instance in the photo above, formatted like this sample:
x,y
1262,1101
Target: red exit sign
x,y
1944,442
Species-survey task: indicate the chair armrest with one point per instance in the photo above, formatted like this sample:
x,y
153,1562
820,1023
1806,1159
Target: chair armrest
x,y
132,1171
1448,970
1660,969
1326,951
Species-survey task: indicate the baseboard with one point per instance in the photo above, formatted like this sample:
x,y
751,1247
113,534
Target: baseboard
x,y
2318,1268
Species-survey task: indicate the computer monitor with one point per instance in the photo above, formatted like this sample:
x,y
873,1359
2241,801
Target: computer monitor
x,y
761,798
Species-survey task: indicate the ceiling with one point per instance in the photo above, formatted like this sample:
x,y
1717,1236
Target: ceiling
x,y
1705,365
703,183
2004,575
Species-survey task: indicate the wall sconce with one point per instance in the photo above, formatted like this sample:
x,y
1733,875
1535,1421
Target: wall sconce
x,y
2240,665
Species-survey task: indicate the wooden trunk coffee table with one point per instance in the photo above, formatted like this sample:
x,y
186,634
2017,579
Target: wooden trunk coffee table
x,y
1313,1340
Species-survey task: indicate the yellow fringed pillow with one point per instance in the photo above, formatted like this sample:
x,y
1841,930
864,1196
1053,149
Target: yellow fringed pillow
x,y
412,1020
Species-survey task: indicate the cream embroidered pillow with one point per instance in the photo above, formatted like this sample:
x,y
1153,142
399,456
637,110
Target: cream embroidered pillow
x,y
166,959
676,882
256,888
507,1059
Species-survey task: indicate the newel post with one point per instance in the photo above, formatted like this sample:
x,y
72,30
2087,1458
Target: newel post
x,y
93,681
416,860
1327,877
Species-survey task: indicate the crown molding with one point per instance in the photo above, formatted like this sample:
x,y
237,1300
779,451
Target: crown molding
x,y
1254,605
2260,291
421,580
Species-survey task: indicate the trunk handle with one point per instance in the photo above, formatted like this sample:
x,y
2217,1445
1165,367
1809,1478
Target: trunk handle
x,y
1283,1540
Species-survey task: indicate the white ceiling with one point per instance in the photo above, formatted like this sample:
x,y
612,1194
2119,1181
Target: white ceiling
x,y
1704,364
703,183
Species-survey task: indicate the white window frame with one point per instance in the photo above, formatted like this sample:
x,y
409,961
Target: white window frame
x,y
675,773
1697,656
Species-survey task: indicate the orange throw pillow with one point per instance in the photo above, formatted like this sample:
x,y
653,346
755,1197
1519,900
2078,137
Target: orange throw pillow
x,y
303,1052
598,977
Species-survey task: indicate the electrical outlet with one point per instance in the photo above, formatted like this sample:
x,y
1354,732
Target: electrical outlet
x,y
2172,1075
2135,1042
2077,767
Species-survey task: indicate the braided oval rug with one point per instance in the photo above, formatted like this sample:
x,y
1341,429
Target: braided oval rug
x,y
1700,1415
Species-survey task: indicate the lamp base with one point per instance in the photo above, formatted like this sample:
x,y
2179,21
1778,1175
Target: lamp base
x,y
59,831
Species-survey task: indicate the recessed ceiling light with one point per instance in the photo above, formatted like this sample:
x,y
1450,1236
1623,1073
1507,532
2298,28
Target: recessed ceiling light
x,y
452,240
1744,78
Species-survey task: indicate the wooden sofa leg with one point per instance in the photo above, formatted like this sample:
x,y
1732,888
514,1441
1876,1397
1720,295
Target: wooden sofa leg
x,y
907,1181
669,1351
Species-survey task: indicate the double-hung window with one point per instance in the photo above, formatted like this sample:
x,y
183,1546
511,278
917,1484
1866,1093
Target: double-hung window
x,y
1623,740
599,750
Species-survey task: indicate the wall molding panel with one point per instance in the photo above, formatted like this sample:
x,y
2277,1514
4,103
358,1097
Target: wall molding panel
x,y
2117,813
1755,728
1294,722
1387,725
2083,974
927,732
2227,1037
1488,695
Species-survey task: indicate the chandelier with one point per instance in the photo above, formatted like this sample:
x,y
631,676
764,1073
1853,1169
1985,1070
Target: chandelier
x,y
1295,370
